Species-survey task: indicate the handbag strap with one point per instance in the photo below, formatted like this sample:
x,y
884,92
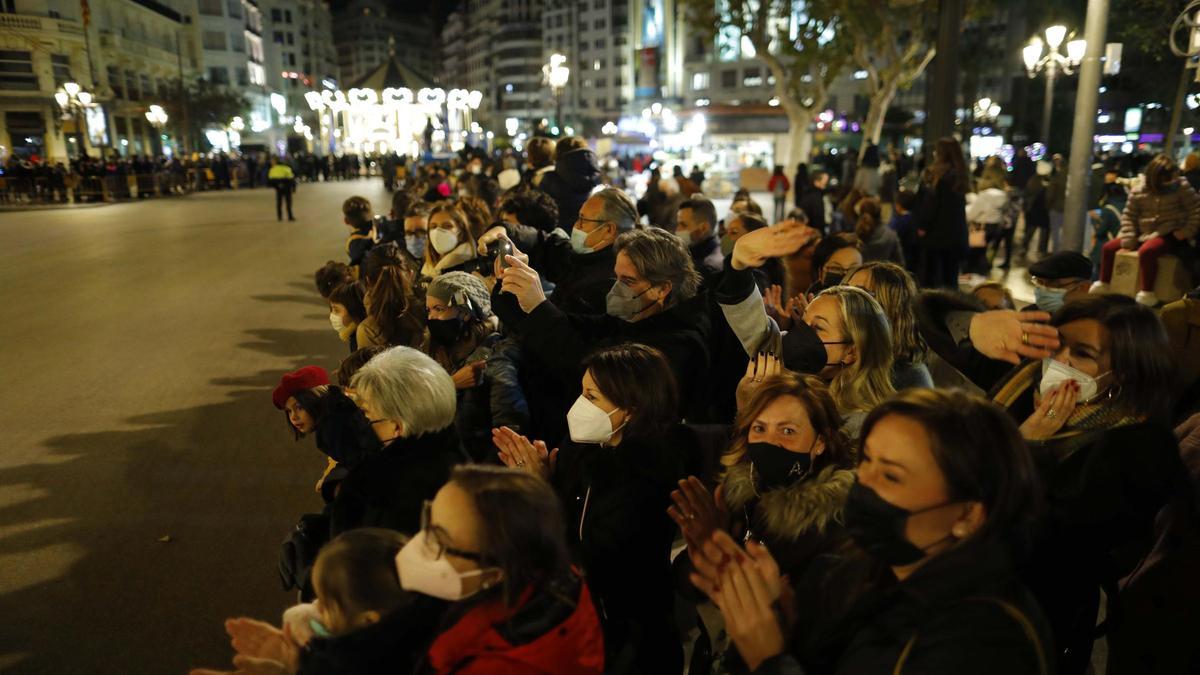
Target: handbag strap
x,y
1012,611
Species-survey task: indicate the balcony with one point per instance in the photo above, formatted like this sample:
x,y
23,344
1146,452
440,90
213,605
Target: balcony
x,y
128,47
39,24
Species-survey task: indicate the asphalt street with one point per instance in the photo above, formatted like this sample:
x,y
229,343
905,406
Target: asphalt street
x,y
146,481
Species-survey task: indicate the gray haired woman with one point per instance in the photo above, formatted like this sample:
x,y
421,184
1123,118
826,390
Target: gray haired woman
x,y
409,400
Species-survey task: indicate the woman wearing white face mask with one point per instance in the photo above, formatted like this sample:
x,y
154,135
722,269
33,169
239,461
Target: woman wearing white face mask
x,y
1093,414
517,605
627,453
450,242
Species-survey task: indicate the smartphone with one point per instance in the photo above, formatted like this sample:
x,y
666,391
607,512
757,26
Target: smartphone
x,y
498,250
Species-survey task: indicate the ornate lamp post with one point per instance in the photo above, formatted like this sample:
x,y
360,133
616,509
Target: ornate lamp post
x,y
1052,63
555,74
157,117
73,100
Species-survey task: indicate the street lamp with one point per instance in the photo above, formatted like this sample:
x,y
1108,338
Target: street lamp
x,y
986,111
72,99
157,117
555,74
1051,63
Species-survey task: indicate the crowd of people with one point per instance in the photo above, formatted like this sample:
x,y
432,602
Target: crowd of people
x,y
570,420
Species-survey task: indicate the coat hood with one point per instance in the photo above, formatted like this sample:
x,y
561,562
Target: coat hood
x,y
579,169
789,512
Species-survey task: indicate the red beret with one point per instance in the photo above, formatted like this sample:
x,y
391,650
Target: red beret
x,y
305,378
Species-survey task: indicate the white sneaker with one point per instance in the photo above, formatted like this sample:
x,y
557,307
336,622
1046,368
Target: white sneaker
x,y
1099,287
1147,298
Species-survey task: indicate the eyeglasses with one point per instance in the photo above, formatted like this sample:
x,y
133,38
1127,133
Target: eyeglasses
x,y
434,536
598,221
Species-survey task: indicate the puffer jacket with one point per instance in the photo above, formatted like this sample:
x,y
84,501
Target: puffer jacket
x,y
1148,214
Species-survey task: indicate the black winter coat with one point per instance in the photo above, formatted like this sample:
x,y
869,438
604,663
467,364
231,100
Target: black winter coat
x,y
942,214
581,281
963,612
616,501
575,175
396,644
344,434
708,259
389,489
561,341
812,202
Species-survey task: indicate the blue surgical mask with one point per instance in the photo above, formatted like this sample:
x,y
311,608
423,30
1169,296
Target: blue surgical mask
x,y
578,242
1049,299
415,243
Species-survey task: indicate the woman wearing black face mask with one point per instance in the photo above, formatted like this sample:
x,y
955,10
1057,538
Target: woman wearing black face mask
x,y
785,475
944,503
832,258
462,334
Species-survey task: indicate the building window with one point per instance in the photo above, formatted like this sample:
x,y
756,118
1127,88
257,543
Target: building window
x,y
620,40
114,81
290,38
131,86
237,42
728,79
211,8
287,16
600,24
601,83
699,81
16,70
752,78
291,60
242,79
61,63
235,9
276,15
278,37
214,40
600,43
147,86
218,75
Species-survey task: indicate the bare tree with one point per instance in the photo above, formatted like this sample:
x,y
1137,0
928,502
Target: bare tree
x,y
892,43
804,52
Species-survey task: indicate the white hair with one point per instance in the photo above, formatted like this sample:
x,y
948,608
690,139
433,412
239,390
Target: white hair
x,y
406,386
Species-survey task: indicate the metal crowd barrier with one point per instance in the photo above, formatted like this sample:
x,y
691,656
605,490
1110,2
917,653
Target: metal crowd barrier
x,y
101,188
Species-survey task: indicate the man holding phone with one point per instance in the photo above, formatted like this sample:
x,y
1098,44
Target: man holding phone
x,y
579,264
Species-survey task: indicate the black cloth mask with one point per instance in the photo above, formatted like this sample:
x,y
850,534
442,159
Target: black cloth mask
x,y
445,331
803,350
877,526
775,466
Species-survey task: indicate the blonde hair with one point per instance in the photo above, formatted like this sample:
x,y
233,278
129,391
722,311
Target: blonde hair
x,y
864,384
896,293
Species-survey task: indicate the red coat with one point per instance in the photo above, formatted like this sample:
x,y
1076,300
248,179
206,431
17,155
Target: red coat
x,y
475,644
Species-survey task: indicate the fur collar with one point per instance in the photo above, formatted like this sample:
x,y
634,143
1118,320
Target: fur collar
x,y
789,512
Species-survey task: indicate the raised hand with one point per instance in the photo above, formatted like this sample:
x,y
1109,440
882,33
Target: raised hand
x,y
776,307
757,370
522,281
1007,335
754,248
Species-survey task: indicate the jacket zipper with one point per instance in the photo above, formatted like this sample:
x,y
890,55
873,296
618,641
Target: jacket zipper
x,y
587,496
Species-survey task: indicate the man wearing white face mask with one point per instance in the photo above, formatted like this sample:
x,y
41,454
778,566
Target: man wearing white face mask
x,y
580,262
627,451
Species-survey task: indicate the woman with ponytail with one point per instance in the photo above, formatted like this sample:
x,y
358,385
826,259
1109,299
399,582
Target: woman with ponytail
x,y
393,310
879,243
